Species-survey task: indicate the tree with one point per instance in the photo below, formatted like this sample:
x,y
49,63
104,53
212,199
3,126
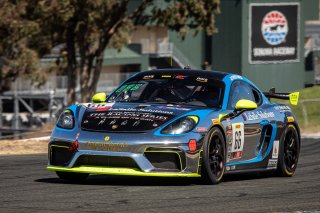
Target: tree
x,y
89,27
16,56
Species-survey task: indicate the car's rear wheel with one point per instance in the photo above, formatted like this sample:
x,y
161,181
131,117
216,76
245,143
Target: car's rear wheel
x,y
289,152
213,159
70,176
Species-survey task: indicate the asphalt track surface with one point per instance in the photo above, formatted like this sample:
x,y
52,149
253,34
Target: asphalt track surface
x,y
26,186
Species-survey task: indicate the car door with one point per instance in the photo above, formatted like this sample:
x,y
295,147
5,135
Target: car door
x,y
244,134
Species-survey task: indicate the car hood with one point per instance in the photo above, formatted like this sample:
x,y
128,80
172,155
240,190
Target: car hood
x,y
130,117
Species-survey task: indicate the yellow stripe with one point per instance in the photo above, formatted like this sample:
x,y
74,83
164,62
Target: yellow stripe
x,y
119,171
53,145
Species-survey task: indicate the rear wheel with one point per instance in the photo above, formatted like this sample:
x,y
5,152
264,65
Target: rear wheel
x,y
70,176
289,152
213,163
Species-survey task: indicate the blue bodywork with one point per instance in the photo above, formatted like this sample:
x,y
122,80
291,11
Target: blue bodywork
x,y
260,129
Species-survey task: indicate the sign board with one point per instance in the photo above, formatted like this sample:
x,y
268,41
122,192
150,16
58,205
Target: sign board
x,y
274,33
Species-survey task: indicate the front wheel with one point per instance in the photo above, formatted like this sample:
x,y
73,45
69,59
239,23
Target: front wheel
x,y
73,177
289,152
213,159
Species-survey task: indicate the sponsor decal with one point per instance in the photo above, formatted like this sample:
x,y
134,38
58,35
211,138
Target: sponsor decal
x,y
201,129
97,107
228,157
282,108
113,122
166,76
124,123
274,33
154,124
234,77
229,168
216,121
143,110
294,97
114,126
236,155
104,108
127,115
133,115
275,149
136,123
85,121
102,121
107,145
129,87
272,163
180,77
237,140
77,136
146,77
202,80
229,127
171,107
251,116
107,138
290,119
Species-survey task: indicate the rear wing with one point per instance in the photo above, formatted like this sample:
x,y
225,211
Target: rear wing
x,y
293,97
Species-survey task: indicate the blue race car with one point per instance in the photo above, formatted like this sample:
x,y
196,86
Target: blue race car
x,y
177,123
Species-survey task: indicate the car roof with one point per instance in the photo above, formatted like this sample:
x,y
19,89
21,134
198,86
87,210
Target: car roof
x,y
202,73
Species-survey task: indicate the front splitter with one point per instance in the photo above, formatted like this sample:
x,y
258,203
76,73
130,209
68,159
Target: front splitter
x,y
120,171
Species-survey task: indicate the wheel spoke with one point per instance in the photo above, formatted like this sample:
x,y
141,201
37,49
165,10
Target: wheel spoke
x,y
216,156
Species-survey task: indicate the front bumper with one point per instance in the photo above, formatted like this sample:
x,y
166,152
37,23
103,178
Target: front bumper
x,y
142,156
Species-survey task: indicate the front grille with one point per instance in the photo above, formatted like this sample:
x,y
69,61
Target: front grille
x,y
108,161
164,160
60,156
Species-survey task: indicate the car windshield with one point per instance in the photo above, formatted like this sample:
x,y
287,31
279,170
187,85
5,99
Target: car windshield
x,y
171,89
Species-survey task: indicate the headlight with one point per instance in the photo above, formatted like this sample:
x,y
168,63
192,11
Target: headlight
x,y
182,125
66,120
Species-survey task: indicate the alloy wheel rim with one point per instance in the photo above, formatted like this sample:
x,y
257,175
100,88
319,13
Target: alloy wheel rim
x,y
216,156
290,150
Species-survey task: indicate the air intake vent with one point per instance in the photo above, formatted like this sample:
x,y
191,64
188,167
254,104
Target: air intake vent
x,y
164,160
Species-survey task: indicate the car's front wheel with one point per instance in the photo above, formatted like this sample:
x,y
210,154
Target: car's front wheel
x,y
73,177
213,158
289,152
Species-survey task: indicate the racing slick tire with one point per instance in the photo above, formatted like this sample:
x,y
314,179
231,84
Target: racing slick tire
x,y
289,152
213,157
72,177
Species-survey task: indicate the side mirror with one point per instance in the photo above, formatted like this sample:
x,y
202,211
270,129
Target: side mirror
x,y
99,98
244,104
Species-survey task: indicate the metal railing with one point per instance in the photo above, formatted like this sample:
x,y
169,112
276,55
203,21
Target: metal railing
x,y
170,50
163,48
107,82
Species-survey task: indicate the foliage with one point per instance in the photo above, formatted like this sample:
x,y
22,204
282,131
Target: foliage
x,y
16,56
87,28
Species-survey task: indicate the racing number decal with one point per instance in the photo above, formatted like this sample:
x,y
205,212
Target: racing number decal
x,y
237,140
